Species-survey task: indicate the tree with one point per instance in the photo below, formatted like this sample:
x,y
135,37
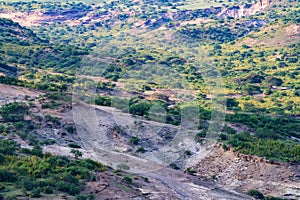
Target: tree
x,y
37,150
251,89
255,78
231,102
272,81
76,153
140,108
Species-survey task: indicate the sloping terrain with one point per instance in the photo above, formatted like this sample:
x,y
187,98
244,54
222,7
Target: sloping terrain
x,y
153,180
149,126
244,172
101,139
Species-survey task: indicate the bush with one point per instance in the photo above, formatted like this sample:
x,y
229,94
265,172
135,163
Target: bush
x,y
73,145
223,137
229,130
127,179
134,140
48,190
103,101
201,136
73,190
26,183
81,197
85,197
37,151
225,147
141,150
36,193
256,194
13,112
190,171
62,186
8,147
76,153
70,129
18,125
231,103
187,152
2,159
174,166
140,108
69,188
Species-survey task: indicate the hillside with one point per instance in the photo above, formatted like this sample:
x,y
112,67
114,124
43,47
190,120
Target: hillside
x,y
191,99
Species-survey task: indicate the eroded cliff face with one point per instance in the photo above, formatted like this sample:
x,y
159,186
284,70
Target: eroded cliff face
x,y
77,17
247,172
38,17
245,10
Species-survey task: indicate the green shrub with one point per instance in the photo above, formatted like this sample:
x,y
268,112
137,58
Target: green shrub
x,y
73,145
8,147
70,129
256,194
48,190
81,197
85,197
134,140
36,193
187,152
201,136
37,151
141,150
13,112
190,171
223,137
2,159
73,190
225,147
174,166
18,125
127,179
26,183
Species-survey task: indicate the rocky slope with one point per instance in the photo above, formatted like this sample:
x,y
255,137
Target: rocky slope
x,y
245,10
246,172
